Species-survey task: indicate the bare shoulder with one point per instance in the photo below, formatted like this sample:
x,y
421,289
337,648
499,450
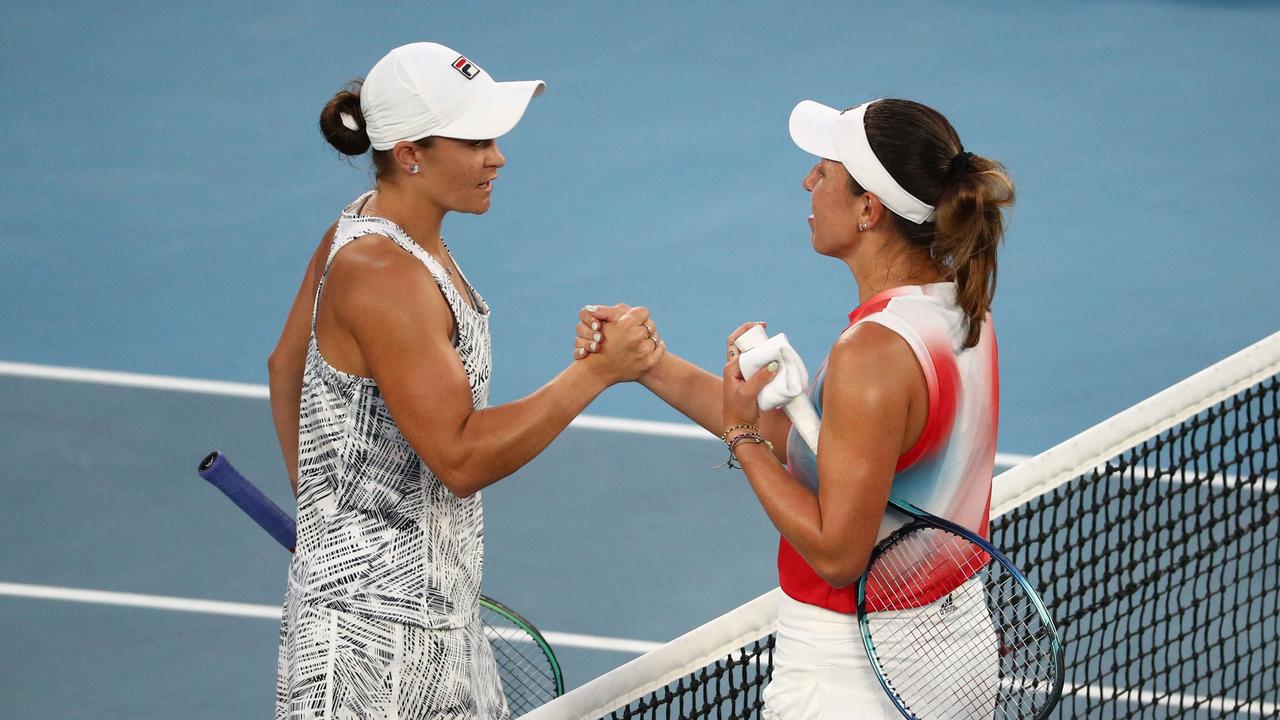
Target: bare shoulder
x,y
321,255
374,279
872,358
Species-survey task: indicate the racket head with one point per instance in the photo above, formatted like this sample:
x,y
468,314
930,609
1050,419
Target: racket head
x,y
954,630
527,666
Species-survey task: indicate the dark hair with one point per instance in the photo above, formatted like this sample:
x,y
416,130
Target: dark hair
x,y
354,142
921,150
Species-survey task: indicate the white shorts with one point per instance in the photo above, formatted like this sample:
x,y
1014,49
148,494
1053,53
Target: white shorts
x,y
821,670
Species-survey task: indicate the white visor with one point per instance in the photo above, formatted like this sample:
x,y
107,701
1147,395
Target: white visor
x,y
841,136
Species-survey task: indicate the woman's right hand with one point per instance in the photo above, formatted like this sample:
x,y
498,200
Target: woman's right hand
x,y
591,318
588,329
622,340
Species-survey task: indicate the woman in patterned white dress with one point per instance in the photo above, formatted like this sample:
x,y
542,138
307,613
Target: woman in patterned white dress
x,y
379,389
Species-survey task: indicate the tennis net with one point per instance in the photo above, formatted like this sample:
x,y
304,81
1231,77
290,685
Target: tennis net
x,y
1154,538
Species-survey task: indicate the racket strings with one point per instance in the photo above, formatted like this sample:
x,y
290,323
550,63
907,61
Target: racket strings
x,y
514,671
958,637
528,679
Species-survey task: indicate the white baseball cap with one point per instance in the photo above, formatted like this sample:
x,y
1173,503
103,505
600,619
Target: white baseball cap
x,y
842,136
425,89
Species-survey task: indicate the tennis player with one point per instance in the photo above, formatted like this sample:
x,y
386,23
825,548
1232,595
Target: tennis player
x,y
908,394
378,391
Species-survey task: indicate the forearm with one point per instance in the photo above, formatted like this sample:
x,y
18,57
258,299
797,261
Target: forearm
x,y
286,397
797,514
495,442
697,394
688,388
792,508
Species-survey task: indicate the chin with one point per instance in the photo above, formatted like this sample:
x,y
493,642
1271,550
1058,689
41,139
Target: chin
x,y
819,248
815,243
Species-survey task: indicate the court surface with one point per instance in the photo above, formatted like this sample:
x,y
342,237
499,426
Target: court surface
x,y
166,184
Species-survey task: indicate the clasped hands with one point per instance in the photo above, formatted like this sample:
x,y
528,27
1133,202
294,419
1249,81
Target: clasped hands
x,y
623,340
601,329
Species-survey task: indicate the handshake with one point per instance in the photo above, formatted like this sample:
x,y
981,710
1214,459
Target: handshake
x,y
621,341
628,339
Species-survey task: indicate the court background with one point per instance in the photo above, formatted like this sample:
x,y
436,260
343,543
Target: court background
x,y
166,182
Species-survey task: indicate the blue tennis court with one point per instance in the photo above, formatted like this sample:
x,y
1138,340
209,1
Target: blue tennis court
x,y
167,184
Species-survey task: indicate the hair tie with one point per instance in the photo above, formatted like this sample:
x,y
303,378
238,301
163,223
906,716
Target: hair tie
x,y
349,122
960,163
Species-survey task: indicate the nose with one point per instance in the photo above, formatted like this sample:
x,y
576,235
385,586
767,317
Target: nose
x,y
496,158
811,180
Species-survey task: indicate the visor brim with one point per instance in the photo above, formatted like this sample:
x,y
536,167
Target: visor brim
x,y
810,127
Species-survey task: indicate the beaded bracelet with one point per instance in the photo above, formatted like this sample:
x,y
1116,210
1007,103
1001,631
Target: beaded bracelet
x,y
724,436
752,437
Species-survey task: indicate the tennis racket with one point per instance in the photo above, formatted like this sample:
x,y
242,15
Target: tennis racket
x,y
952,628
529,670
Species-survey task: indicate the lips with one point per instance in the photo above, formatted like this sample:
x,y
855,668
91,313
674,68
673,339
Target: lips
x,y
487,185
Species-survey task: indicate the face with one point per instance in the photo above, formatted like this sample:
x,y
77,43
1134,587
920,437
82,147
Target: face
x,y
833,225
458,175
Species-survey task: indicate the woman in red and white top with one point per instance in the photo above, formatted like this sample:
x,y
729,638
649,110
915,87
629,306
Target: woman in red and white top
x,y
908,394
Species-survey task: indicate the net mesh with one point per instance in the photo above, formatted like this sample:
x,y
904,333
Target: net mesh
x,y
1160,567
728,689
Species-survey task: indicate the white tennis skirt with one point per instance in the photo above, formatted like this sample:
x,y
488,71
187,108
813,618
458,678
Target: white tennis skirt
x,y
821,670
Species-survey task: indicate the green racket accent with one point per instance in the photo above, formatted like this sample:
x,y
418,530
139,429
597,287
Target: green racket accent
x,y
528,667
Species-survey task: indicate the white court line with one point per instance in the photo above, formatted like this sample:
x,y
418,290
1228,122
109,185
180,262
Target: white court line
x,y
268,612
260,392
1183,701
136,380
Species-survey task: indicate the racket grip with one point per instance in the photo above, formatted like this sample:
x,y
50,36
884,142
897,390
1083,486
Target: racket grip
x,y
222,474
805,420
751,338
803,416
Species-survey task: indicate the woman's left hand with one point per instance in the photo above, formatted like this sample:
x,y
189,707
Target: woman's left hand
x,y
741,406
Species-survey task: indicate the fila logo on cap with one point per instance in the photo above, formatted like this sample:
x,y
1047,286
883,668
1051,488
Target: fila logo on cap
x,y
466,67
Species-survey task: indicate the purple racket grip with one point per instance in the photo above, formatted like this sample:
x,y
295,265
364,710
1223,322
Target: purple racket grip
x,y
218,470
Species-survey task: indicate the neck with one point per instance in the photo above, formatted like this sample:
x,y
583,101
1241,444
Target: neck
x,y
879,263
421,219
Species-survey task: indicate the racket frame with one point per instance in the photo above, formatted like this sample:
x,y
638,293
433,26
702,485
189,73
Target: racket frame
x,y
519,621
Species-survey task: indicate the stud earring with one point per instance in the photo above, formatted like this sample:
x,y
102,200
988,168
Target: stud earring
x,y
862,227
413,169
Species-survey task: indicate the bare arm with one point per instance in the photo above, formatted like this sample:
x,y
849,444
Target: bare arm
x,y
402,326
872,379
287,361
696,393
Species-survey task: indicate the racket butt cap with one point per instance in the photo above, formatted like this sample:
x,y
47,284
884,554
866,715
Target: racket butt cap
x,y
209,461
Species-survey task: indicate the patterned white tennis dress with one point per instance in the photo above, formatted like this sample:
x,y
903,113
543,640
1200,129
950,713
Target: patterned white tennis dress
x,y
381,614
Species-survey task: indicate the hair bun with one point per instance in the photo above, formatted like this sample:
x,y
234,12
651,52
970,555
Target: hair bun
x,y
342,123
960,163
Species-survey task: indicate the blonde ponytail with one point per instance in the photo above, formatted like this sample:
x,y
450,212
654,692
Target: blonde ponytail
x,y
968,229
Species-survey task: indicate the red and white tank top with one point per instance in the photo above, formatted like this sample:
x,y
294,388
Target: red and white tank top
x,y
948,471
